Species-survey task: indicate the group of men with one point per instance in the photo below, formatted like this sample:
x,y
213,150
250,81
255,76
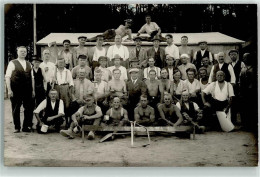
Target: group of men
x,y
155,87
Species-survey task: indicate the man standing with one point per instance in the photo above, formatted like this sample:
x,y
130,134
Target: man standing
x,y
106,73
53,114
170,68
226,68
139,53
151,28
185,65
134,63
185,49
117,65
118,50
67,54
81,50
144,114
207,65
157,53
166,83
172,50
135,87
82,63
20,85
151,63
203,52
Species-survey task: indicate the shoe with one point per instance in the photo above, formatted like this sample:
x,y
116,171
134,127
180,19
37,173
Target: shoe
x,y
202,129
28,129
91,135
67,133
17,131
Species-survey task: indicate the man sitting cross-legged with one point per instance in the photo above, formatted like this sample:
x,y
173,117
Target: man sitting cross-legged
x,y
90,114
144,114
169,113
53,114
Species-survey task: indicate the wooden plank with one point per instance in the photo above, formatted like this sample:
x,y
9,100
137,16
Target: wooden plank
x,y
139,129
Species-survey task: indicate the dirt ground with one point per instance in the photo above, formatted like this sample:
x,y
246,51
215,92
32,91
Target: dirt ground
x,y
210,149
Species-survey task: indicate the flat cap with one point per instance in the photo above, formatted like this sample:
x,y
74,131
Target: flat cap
x,y
232,51
82,37
82,57
134,70
200,42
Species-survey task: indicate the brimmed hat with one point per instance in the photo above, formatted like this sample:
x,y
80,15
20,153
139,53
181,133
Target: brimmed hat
x,y
134,70
82,56
169,57
156,38
36,58
200,42
135,59
117,57
101,58
233,50
82,37
137,37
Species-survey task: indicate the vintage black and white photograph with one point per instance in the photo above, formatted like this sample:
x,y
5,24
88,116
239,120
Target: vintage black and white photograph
x,y
130,85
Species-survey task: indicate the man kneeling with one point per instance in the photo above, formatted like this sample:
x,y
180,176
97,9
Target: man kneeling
x,y
53,114
90,114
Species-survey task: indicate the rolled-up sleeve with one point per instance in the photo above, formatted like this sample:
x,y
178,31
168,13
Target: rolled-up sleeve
x,y
41,107
61,108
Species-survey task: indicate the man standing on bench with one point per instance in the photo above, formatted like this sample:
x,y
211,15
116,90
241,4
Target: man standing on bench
x,y
90,114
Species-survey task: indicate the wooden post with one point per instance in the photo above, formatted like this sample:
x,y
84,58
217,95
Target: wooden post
x,y
34,30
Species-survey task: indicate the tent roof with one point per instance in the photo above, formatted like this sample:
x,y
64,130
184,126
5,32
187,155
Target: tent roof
x,y
194,38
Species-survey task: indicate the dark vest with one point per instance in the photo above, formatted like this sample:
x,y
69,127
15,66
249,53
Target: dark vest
x,y
191,111
237,70
157,58
49,111
199,58
38,78
21,80
224,69
137,53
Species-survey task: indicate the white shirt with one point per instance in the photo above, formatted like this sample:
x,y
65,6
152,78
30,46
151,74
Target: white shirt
x,y
43,105
183,69
11,68
192,87
202,86
98,53
149,28
231,72
105,74
180,87
173,51
101,88
123,72
134,81
202,53
67,56
122,51
51,70
146,72
196,107
170,70
64,77
233,63
221,95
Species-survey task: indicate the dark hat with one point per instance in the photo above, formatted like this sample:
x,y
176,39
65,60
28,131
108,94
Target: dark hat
x,y
134,60
156,38
100,35
137,37
102,58
233,50
36,58
82,37
82,57
128,20
66,40
117,57
200,42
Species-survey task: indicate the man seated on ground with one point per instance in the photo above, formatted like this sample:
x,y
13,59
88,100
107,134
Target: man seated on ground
x,y
117,87
117,65
152,67
169,113
221,97
166,83
53,112
118,116
90,114
190,111
106,73
100,90
155,90
81,50
151,28
143,113
169,66
185,49
139,53
134,64
203,52
82,87
122,31
118,50
82,64
193,85
185,65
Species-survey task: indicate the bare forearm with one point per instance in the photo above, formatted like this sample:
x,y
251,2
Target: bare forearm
x,y
55,117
